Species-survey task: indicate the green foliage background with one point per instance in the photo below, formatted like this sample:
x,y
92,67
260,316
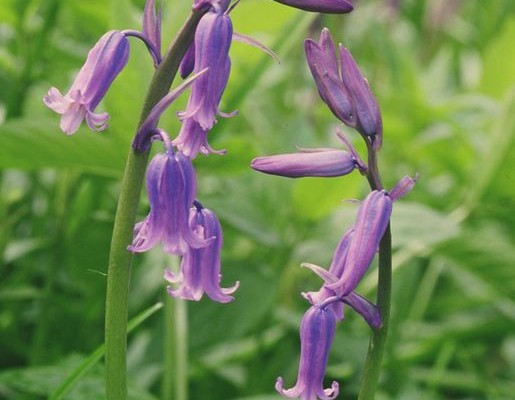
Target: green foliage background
x,y
444,74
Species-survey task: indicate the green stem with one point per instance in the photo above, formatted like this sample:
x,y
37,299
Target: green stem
x,y
376,346
118,274
175,376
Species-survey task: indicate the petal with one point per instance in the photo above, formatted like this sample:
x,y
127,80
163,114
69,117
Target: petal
x,y
72,118
97,121
56,101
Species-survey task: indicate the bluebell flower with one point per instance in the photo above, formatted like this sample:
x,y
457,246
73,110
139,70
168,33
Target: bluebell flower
x,y
192,139
212,42
200,267
171,188
317,331
103,64
148,128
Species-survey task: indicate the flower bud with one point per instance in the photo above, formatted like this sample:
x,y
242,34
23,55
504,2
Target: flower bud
x,y
314,162
322,6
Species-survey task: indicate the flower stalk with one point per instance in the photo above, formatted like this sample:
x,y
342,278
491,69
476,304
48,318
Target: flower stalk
x,y
377,342
118,275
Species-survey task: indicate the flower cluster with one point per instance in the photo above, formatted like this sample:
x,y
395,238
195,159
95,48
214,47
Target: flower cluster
x,y
176,219
344,89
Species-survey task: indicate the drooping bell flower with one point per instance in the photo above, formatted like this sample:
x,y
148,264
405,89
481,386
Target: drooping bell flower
x,y
317,331
103,64
171,187
148,128
322,6
192,139
343,88
212,42
200,268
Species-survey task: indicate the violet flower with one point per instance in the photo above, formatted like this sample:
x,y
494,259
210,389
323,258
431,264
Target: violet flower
x,y
317,331
212,42
103,64
343,88
192,139
371,222
200,268
171,187
147,130
309,162
312,162
339,262
322,6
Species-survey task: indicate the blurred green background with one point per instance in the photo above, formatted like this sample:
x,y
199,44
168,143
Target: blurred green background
x,y
444,74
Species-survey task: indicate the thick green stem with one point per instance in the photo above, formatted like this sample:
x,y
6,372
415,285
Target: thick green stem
x,y
376,346
118,274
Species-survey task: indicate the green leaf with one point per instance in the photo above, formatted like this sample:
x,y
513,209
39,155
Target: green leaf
x,y
315,198
499,65
31,144
418,225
